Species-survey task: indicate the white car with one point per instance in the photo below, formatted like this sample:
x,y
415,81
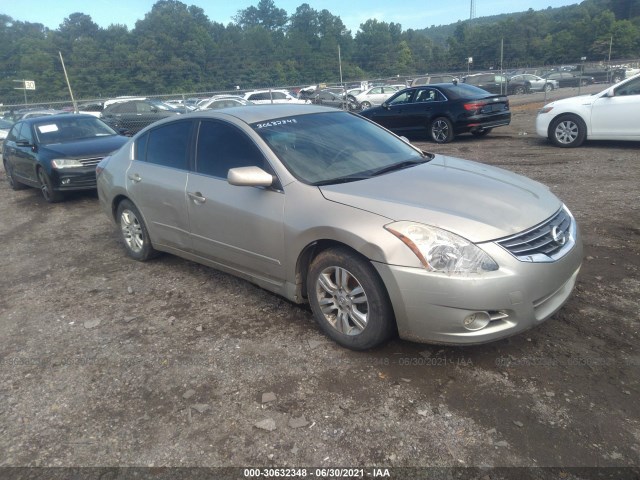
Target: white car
x,y
272,96
536,83
613,114
375,96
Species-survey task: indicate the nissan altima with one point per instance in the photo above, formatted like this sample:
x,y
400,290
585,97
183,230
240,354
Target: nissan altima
x,y
323,206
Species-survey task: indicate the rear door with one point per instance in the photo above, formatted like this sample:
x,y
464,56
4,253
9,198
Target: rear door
x,y
157,180
240,228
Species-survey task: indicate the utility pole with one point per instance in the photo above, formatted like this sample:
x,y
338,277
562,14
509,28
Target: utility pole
x,y
472,10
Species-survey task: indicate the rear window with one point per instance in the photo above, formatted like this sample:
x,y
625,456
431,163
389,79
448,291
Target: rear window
x,y
464,90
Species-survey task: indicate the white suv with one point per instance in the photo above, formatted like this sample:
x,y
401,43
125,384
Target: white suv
x,y
271,96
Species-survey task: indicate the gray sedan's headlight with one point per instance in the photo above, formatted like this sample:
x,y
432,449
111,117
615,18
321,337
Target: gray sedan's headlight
x,y
442,251
59,163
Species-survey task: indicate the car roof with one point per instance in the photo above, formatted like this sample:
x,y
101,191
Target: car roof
x,y
53,118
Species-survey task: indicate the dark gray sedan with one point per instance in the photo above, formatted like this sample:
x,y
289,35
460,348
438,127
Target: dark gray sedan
x,y
323,206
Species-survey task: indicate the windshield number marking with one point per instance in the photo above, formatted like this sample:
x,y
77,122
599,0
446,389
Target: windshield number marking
x,y
276,123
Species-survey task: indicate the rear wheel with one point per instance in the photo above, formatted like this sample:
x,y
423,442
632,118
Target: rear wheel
x,y
441,130
349,300
134,232
548,87
13,183
567,131
365,104
46,187
519,90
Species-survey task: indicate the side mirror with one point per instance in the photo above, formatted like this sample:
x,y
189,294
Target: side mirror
x,y
249,177
385,105
610,93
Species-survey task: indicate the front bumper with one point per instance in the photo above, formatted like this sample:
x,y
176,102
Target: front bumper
x,y
431,307
68,179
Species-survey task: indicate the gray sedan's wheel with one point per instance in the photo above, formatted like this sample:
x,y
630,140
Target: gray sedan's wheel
x,y
348,299
567,131
134,232
13,183
441,130
548,87
46,187
519,90
365,105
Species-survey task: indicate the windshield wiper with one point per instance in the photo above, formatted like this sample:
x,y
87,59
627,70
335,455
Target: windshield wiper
x,y
399,166
346,179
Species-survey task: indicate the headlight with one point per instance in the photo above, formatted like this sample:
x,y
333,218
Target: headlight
x,y
59,163
545,110
442,251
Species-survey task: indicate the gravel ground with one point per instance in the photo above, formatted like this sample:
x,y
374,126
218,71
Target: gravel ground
x,y
108,362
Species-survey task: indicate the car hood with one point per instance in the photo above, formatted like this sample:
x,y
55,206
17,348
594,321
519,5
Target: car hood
x,y
476,201
573,101
87,147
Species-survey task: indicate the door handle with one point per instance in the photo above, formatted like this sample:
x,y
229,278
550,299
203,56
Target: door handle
x,y
197,197
135,177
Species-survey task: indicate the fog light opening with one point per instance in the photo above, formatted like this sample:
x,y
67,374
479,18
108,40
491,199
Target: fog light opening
x,y
66,181
477,321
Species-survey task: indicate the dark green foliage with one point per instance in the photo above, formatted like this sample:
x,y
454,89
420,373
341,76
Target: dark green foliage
x,y
177,48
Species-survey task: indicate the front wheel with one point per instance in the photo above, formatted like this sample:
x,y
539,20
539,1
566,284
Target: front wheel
x,y
134,232
567,131
519,90
441,130
349,300
46,187
548,87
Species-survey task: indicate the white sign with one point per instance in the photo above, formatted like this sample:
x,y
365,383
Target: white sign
x,y
470,60
29,85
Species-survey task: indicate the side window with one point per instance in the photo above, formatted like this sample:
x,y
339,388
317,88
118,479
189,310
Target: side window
x,y
426,95
279,96
25,134
143,107
630,88
404,97
13,134
168,145
140,152
222,146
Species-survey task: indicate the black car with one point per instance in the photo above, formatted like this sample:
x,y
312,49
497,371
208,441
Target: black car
x,y
131,116
442,111
57,153
569,79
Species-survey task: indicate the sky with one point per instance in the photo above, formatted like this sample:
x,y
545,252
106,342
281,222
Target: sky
x,y
415,14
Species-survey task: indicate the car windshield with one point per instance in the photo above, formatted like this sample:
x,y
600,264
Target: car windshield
x,y
163,106
71,128
325,148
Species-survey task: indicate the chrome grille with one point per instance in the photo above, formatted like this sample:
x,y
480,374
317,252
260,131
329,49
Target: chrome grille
x,y
90,162
547,242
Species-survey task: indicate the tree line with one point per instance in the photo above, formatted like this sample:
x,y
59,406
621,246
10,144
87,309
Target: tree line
x,y
176,48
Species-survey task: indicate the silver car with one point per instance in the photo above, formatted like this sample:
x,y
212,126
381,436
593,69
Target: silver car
x,y
323,206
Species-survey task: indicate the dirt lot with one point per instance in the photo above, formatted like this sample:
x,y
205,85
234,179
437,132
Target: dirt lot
x,y
110,362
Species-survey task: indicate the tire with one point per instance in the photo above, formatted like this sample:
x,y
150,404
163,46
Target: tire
x,y
348,300
441,130
519,90
46,187
364,105
134,233
584,83
13,183
567,131
481,133
616,79
548,87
